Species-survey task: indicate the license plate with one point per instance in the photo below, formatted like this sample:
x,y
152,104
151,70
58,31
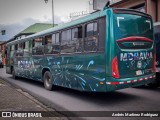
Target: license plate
x,y
139,72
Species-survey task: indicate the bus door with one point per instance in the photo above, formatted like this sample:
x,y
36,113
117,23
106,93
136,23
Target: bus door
x,y
37,58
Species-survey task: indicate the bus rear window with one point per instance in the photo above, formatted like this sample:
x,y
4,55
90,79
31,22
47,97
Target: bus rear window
x,y
127,25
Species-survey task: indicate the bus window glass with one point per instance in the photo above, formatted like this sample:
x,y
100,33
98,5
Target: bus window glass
x,y
66,42
26,49
74,34
20,50
12,50
12,47
127,25
38,42
37,46
95,28
16,47
53,39
66,35
55,46
77,39
90,30
91,40
57,38
48,40
31,43
48,44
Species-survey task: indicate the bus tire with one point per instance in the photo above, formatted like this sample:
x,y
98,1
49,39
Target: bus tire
x,y
13,74
47,78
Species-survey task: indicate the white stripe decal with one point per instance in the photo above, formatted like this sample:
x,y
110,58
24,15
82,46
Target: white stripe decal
x,y
141,79
108,83
135,80
121,82
128,81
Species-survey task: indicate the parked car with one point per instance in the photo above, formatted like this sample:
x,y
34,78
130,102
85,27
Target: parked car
x,y
1,63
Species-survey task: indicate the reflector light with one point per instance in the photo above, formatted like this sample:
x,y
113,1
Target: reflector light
x,y
101,83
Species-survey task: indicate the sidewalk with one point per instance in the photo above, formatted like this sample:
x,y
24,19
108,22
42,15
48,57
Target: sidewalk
x,y
12,99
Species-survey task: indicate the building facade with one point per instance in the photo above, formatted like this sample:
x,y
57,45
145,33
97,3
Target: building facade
x,y
151,7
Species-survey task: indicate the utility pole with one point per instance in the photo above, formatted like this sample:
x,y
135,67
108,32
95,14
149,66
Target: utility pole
x,y
46,1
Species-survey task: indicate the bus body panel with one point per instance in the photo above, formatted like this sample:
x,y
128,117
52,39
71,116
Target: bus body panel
x,y
81,72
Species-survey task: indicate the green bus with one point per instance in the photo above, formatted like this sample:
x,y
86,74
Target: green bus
x,y
105,51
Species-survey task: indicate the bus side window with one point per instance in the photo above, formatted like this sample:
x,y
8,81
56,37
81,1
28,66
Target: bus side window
x,y
37,48
20,50
15,51
77,41
16,47
26,48
66,42
48,44
12,49
91,37
33,43
55,44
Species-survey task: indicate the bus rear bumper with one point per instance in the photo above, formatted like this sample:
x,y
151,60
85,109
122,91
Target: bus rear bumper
x,y
130,82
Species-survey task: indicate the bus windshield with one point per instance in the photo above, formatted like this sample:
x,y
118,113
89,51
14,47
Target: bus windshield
x,y
127,25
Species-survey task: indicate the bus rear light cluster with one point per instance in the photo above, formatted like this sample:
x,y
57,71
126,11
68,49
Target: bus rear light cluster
x,y
115,70
131,81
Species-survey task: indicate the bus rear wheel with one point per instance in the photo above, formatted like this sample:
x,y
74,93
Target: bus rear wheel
x,y
47,78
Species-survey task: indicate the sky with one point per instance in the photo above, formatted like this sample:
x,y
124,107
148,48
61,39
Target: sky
x,y
16,15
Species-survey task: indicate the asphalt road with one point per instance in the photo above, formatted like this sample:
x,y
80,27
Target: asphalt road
x,y
130,99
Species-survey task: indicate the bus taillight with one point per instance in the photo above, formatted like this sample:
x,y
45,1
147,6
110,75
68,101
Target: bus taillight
x,y
115,70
